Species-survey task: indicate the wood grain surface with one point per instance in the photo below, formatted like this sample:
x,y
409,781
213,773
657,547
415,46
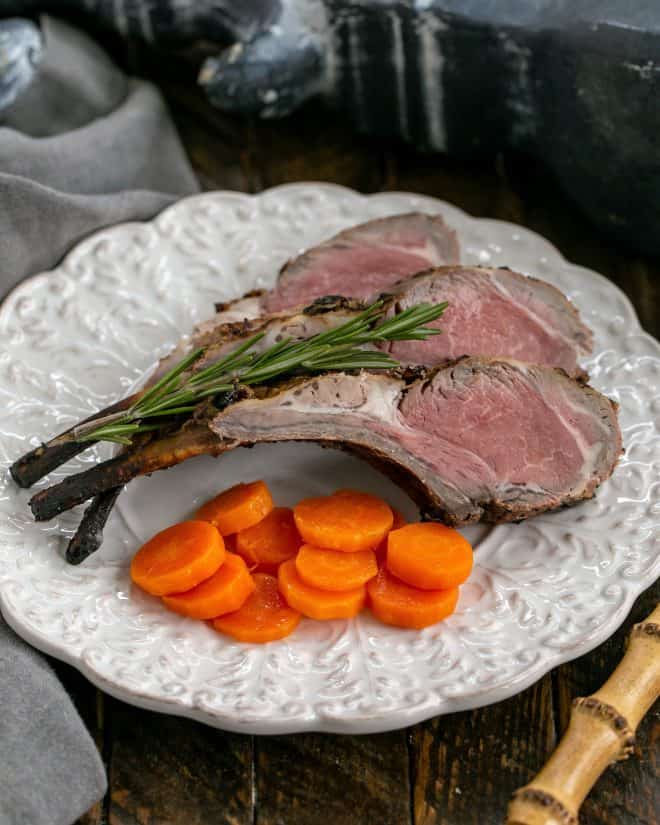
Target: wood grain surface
x,y
454,770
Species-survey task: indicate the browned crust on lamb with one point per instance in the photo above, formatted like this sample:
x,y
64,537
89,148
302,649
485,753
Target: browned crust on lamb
x,y
228,331
223,334
223,306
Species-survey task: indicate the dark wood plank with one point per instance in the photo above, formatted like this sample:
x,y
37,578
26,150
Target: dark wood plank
x,y
628,792
479,186
219,146
170,771
317,147
313,778
464,767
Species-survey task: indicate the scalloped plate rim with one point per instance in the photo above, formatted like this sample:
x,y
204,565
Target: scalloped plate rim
x,y
369,724
391,719
203,196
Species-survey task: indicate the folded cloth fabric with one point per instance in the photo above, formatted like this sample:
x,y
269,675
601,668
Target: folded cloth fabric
x,y
82,148
50,770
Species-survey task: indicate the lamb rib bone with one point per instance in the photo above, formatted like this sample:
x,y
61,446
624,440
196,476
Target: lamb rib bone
x,y
477,439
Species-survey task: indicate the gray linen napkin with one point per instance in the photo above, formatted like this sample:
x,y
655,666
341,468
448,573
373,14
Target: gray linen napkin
x,y
84,147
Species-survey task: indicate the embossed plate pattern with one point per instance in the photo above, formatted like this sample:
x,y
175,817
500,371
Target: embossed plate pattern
x,y
541,593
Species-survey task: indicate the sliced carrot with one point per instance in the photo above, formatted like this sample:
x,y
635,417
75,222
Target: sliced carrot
x,y
178,558
334,570
396,603
347,522
314,602
381,550
429,555
238,508
264,616
231,547
224,592
274,540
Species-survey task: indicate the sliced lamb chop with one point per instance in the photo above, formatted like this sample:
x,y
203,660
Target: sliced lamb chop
x,y
477,439
493,312
32,466
365,260
360,262
496,312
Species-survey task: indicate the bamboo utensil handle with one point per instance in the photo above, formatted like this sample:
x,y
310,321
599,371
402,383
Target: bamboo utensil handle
x,y
601,731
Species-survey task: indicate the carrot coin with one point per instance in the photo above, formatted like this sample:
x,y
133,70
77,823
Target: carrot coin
x,y
274,540
178,558
264,616
429,555
381,550
395,602
334,570
224,592
314,602
238,508
347,522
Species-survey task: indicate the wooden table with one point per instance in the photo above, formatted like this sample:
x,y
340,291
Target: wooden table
x,y
454,770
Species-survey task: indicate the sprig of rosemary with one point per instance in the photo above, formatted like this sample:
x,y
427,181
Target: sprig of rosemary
x,y
340,348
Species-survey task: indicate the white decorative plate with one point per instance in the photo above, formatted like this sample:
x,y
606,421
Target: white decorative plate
x,y
541,593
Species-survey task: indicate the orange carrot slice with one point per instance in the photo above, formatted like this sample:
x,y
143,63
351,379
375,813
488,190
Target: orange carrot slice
x,y
224,592
396,603
264,616
316,603
274,540
178,558
238,508
381,550
347,522
334,570
429,555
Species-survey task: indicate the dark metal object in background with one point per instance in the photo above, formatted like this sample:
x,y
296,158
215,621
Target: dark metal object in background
x,y
574,82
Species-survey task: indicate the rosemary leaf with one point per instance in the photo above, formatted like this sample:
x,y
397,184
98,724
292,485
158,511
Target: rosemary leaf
x,y
339,348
